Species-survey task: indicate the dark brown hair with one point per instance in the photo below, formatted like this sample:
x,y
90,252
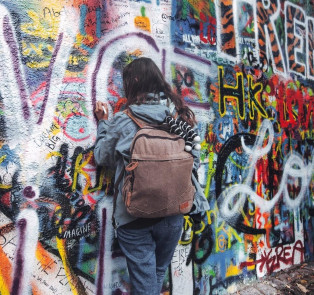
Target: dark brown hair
x,y
142,76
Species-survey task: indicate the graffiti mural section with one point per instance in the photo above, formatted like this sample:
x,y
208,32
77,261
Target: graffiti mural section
x,y
246,68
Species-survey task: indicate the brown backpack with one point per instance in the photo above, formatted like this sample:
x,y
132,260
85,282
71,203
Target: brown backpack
x,y
158,178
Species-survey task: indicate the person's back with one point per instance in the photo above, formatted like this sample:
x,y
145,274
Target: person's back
x,y
147,243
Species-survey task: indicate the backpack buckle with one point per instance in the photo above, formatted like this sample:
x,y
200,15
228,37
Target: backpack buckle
x,y
131,166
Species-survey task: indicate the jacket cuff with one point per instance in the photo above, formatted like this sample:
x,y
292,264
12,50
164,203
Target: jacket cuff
x,y
102,126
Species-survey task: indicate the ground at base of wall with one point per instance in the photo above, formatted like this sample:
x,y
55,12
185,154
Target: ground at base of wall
x,y
298,279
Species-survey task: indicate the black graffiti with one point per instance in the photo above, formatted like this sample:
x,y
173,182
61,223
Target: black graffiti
x,y
61,171
73,212
67,218
187,78
231,145
60,168
201,243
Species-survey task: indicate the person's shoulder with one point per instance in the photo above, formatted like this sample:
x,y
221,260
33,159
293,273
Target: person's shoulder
x,y
120,116
121,120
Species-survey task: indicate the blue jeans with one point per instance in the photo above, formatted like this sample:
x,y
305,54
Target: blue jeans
x,y
148,253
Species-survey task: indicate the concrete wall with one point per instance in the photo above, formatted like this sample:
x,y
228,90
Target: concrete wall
x,y
245,67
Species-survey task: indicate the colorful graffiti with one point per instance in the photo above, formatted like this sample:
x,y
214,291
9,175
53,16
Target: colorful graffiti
x,y
245,67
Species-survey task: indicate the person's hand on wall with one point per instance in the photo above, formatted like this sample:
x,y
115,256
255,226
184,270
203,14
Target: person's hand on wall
x,y
101,110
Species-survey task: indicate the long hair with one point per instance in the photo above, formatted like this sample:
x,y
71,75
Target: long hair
x,y
142,76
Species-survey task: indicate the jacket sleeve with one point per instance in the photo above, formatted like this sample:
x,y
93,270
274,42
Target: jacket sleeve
x,y
106,141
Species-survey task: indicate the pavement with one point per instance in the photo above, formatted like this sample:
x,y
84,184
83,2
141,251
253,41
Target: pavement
x,y
298,280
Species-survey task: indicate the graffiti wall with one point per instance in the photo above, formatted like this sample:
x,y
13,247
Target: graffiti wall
x,y
246,68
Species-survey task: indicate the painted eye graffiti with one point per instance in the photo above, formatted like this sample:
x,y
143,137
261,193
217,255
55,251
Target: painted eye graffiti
x,y
77,127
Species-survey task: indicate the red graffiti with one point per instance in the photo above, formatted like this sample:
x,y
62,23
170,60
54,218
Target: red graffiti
x,y
211,29
295,108
281,254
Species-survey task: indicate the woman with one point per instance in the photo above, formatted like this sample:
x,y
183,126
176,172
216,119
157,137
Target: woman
x,y
148,244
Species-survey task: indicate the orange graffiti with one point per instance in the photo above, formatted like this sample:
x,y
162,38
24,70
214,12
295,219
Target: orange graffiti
x,y
5,273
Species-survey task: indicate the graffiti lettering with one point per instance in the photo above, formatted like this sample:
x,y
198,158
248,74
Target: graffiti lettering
x,y
77,232
237,92
288,101
267,34
294,167
225,29
295,32
272,260
310,47
51,12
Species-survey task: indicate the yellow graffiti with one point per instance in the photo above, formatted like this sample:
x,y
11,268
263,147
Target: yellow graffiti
x,y
234,92
53,154
4,186
238,165
221,241
197,90
85,39
237,94
250,267
245,218
40,28
38,48
35,51
232,270
212,212
228,231
254,103
75,60
189,225
210,173
39,54
75,284
38,65
3,287
78,169
101,180
2,158
224,228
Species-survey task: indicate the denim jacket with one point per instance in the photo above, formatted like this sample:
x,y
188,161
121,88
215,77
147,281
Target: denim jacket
x,y
112,149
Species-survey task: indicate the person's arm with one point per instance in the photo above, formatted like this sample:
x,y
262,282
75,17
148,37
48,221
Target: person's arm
x,y
106,141
107,137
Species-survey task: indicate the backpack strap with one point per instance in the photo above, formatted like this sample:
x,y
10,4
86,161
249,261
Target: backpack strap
x,y
139,122
115,196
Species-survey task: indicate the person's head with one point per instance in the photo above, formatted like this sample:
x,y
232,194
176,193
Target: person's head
x,y
142,76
